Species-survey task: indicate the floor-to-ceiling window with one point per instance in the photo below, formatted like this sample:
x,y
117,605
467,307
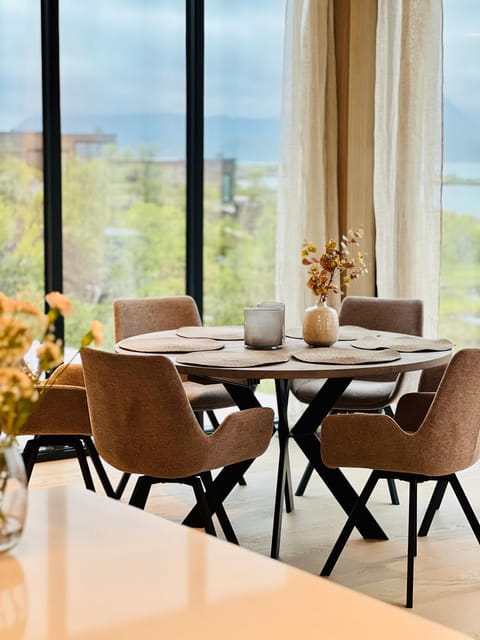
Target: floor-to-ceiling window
x,y
122,75
21,143
460,277
243,69
123,125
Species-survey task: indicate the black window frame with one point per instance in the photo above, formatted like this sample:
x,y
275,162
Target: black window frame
x,y
52,155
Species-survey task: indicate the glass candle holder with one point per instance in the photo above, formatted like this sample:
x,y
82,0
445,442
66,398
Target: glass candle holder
x,y
263,327
276,305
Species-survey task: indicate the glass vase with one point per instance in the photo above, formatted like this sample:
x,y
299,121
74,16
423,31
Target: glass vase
x,y
320,325
13,494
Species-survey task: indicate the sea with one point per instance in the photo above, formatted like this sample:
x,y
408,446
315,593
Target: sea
x,y
462,198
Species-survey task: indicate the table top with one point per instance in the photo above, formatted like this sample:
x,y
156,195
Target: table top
x,y
90,567
296,369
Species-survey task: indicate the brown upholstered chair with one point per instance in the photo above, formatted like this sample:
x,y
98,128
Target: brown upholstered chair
x,y
149,428
133,316
61,420
400,315
433,436
430,378
144,315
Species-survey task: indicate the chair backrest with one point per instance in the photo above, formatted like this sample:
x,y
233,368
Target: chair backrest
x,y
401,315
141,419
143,315
450,433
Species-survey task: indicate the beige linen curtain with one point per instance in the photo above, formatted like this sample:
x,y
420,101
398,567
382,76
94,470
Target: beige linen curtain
x,y
308,201
326,166
408,152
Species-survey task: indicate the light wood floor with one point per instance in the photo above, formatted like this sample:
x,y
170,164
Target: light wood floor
x,y
447,581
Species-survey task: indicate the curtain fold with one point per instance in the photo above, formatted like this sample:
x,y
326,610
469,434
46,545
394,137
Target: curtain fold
x,y
308,194
408,152
407,145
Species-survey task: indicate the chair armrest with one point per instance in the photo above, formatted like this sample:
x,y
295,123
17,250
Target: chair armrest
x,y
372,441
63,410
242,435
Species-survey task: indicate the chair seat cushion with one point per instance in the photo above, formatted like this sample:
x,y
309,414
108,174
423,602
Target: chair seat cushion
x,y
360,395
207,397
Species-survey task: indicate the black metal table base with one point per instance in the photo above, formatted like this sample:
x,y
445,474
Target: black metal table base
x,y
304,434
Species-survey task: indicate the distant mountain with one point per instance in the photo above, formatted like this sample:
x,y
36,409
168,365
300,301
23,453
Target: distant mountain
x,y
461,133
246,139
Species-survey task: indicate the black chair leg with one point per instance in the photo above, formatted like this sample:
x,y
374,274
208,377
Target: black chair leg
x,y
217,507
465,504
349,525
304,480
99,468
202,502
213,419
412,539
121,485
392,488
29,455
77,444
433,505
140,492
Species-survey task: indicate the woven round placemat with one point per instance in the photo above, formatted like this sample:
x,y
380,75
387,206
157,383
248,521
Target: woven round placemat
x,y
168,345
404,344
340,355
345,332
214,333
247,358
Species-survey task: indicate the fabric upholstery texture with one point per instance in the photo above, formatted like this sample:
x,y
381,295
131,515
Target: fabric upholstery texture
x,y
63,409
143,315
134,316
446,441
142,421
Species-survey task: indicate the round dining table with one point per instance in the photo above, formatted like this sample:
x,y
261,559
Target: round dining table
x,y
240,369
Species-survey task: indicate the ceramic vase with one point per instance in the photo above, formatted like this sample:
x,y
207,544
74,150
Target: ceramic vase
x,y
13,494
320,325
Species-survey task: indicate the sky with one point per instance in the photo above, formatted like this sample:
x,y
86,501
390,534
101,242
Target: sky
x,y
462,52
129,61
116,59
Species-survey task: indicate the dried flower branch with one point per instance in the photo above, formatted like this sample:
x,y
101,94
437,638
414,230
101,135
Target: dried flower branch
x,y
347,260
22,322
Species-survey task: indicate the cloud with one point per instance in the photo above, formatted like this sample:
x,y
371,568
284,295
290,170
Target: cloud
x,y
128,56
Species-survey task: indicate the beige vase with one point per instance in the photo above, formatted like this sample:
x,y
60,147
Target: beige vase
x,y
320,325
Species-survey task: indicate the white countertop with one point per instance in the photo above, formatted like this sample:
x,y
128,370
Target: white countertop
x,y
90,567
